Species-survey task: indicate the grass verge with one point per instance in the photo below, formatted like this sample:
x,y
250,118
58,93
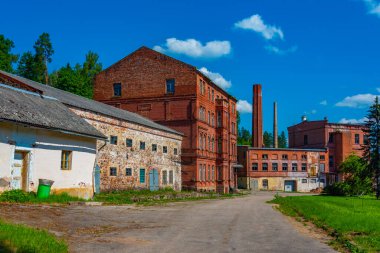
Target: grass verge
x,y
19,196
353,222
20,238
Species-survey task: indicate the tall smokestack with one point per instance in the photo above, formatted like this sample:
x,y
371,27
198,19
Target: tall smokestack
x,y
275,129
257,117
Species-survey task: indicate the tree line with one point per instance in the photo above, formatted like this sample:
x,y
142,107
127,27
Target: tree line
x,y
33,64
245,137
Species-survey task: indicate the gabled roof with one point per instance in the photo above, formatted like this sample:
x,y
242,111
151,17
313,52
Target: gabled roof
x,y
73,100
32,109
191,67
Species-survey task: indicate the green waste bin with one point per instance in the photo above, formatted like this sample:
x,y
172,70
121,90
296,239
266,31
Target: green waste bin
x,y
44,187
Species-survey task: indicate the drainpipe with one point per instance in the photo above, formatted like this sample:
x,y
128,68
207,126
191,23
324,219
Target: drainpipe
x,y
95,162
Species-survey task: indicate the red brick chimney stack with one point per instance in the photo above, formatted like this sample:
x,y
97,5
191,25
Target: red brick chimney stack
x,y
257,117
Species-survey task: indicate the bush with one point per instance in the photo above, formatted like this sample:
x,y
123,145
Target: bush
x,y
14,196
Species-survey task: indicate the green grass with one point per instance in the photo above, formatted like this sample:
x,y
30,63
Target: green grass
x,y
147,197
19,196
23,239
354,222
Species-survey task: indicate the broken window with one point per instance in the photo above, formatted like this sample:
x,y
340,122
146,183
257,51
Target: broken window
x,y
113,171
170,86
117,89
322,157
304,157
284,157
265,183
113,140
164,149
128,172
255,166
154,147
294,166
264,156
175,151
66,160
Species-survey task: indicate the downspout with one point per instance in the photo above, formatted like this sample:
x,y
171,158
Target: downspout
x,y
95,163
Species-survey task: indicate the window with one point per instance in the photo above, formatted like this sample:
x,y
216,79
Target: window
x,y
164,149
305,140
265,183
175,151
357,139
331,137
200,172
331,161
264,156
220,173
171,177
220,146
365,139
212,95
128,143
219,119
322,180
154,147
322,167
284,157
304,157
209,117
265,166
322,157
304,167
142,176
117,89
128,172
170,86
313,181
113,140
212,120
294,166
66,160
209,173
142,145
113,171
164,177
213,173
255,166
304,181
275,166
213,144
209,93
284,167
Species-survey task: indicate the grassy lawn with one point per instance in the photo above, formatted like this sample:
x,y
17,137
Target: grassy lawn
x,y
146,197
354,222
19,238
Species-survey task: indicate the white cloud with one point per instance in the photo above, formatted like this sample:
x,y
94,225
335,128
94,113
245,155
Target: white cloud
x,y
195,48
373,7
278,51
255,23
217,78
357,101
323,102
243,106
353,121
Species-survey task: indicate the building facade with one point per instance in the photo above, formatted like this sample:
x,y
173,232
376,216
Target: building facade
x,y
341,140
177,95
40,138
138,152
302,170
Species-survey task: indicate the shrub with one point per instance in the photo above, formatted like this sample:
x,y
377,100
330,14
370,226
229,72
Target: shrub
x,y
13,196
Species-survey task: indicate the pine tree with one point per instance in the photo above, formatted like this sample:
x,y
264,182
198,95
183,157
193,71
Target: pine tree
x,y
282,140
268,139
44,51
6,57
371,145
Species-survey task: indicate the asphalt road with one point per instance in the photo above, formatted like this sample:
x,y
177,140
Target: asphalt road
x,y
244,224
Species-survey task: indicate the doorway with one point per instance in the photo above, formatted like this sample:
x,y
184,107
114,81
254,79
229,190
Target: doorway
x,y
19,171
153,180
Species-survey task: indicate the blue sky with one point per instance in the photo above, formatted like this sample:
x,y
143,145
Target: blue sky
x,y
314,57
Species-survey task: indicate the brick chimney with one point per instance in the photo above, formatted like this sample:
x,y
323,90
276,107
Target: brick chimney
x,y
257,117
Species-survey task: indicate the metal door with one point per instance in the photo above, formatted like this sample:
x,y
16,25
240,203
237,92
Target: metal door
x,y
254,185
153,180
19,171
289,186
97,179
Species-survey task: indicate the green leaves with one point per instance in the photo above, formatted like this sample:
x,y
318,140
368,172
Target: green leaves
x,y
6,57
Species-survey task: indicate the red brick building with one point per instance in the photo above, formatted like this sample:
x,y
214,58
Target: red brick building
x,y
340,139
177,95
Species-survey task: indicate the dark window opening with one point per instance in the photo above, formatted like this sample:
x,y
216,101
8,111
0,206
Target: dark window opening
x,y
128,142
117,89
154,147
128,172
165,149
175,151
275,166
142,145
113,140
294,167
284,166
357,139
331,137
255,166
265,167
113,171
305,139
170,86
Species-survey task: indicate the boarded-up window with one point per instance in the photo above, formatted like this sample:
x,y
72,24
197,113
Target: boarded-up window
x,y
164,177
171,177
66,160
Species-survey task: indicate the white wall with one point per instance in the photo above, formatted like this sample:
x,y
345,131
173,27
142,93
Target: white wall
x,y
45,149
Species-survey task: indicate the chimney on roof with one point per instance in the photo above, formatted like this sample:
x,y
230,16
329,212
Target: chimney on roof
x,y
257,117
303,118
275,128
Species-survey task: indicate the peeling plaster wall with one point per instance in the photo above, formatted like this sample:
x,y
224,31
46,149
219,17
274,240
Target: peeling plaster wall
x,y
44,149
121,157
